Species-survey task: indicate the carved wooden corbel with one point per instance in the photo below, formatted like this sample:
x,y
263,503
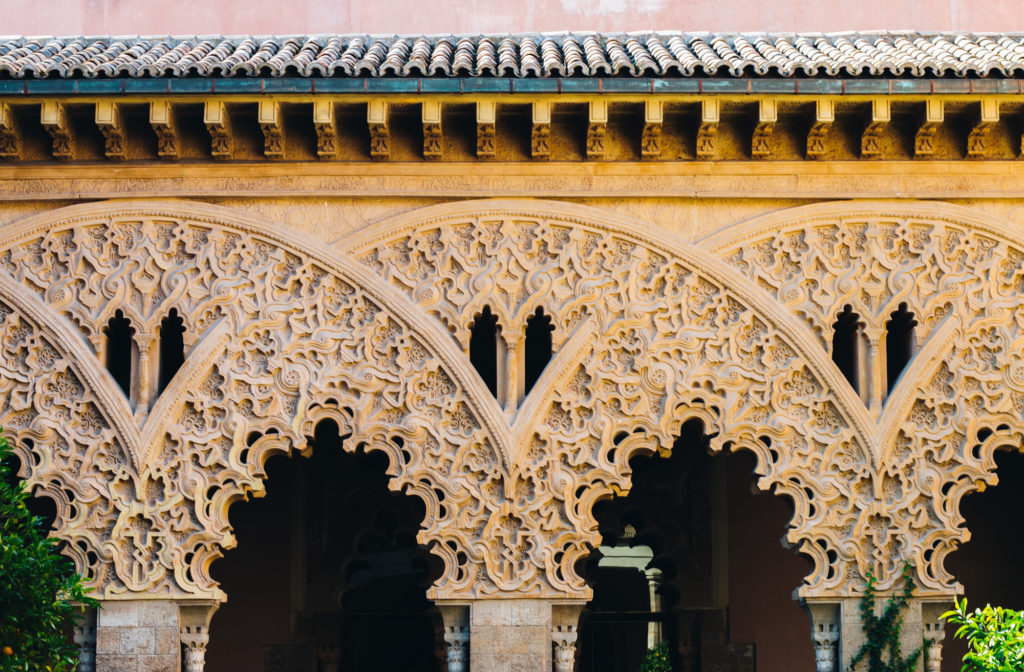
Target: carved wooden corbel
x,y
881,115
486,118
597,129
326,129
767,116
924,139
540,134
433,142
380,138
825,116
650,138
10,137
108,119
711,113
979,140
272,124
54,118
218,123
162,119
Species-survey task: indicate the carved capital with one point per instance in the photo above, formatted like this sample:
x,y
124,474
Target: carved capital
x,y
826,634
329,656
85,639
564,642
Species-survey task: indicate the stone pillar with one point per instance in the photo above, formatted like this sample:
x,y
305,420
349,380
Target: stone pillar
x,y
456,635
825,633
934,632
137,636
654,586
515,635
85,639
564,624
195,633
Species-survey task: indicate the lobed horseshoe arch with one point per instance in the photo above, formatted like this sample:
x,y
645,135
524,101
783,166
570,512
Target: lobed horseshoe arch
x,y
961,272
283,336
649,333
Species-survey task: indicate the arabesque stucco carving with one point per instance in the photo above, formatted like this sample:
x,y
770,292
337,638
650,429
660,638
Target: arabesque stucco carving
x,y
960,398
649,332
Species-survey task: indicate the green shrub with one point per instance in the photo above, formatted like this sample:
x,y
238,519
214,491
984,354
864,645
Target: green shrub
x,y
658,659
995,635
39,590
882,648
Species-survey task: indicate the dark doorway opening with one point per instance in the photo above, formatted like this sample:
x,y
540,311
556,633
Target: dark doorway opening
x,y
724,580
989,564
327,565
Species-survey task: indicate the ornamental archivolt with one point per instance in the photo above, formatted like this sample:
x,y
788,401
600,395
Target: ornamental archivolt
x,y
647,336
281,340
649,333
962,396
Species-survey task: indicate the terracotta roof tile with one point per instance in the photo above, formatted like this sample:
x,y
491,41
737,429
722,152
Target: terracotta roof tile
x,y
664,54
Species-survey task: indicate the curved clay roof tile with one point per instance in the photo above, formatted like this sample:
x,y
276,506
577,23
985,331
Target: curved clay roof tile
x,y
441,58
369,64
529,59
551,58
572,54
660,53
418,63
486,58
508,62
395,58
643,63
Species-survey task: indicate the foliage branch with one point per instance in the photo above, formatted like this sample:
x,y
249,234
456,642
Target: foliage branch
x,y
995,636
882,649
39,591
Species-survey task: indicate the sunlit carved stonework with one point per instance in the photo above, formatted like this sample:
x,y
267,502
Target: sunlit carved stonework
x,y
372,332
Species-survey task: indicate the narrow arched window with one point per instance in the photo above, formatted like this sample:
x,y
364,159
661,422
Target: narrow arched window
x,y
538,347
119,350
845,350
172,347
483,348
899,343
